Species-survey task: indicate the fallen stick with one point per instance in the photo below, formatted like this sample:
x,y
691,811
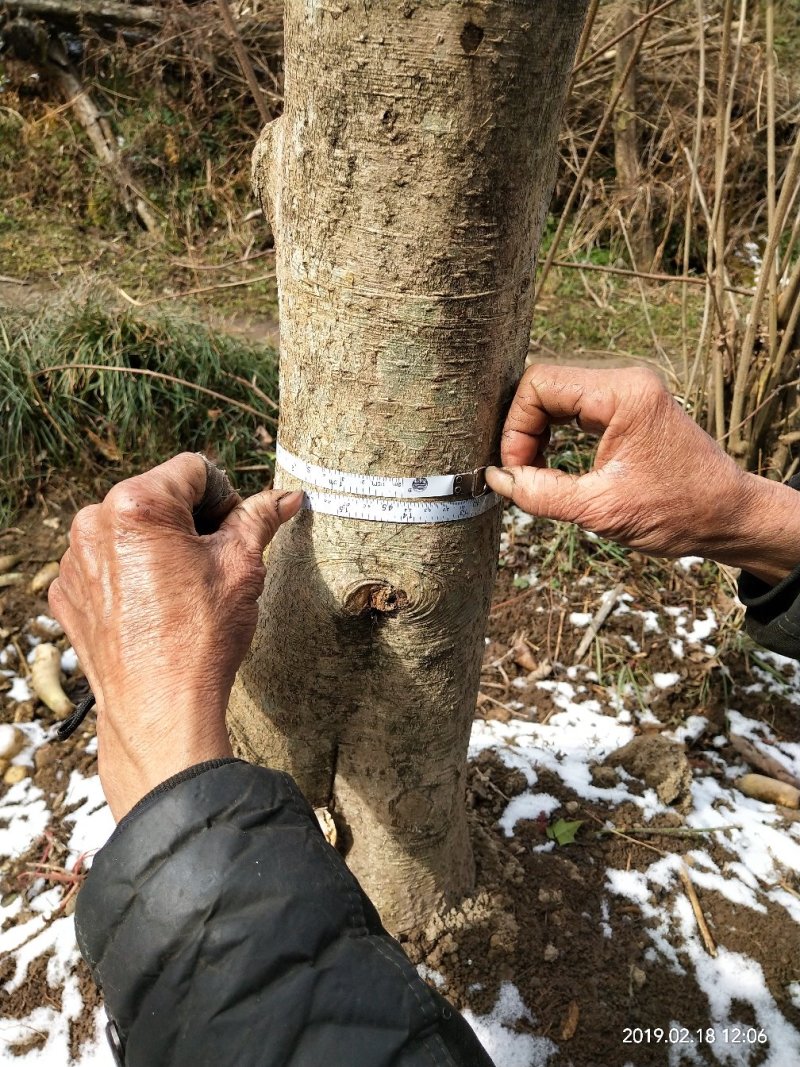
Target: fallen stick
x,y
668,831
702,925
101,14
759,787
243,58
75,12
615,40
682,279
607,604
771,767
101,137
193,292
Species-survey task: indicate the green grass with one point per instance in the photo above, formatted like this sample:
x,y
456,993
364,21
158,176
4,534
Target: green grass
x,y
787,35
82,421
61,219
567,319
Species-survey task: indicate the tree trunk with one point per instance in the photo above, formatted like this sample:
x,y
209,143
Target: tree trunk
x,y
407,183
627,147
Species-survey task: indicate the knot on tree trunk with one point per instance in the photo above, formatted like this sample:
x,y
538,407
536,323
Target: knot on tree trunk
x,y
368,598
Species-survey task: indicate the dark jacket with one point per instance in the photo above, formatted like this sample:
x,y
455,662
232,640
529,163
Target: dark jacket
x,y
224,930
773,612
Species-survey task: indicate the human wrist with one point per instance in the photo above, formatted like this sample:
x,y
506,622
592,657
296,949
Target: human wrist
x,y
132,766
762,534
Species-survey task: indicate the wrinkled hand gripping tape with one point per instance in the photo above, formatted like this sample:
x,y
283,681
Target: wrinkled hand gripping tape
x,y
218,489
406,500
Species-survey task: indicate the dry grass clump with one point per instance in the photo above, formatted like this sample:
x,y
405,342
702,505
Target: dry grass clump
x,y
87,386
683,78
681,154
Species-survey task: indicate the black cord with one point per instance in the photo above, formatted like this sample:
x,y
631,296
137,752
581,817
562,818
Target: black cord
x,y
70,725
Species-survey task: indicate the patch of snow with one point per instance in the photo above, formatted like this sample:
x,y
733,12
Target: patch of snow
x,y
665,680
57,937
687,562
730,978
629,884
24,816
580,618
50,625
527,806
19,690
429,975
69,661
758,733
605,925
35,735
92,820
754,838
701,629
694,727
573,738
504,1045
759,850
647,718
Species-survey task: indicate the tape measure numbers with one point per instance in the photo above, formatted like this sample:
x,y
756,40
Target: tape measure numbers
x,y
378,510
378,499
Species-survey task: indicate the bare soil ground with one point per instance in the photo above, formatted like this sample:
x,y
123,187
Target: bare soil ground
x,y
558,943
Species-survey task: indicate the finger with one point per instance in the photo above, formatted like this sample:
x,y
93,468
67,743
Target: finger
x,y
551,394
167,493
541,491
257,519
219,499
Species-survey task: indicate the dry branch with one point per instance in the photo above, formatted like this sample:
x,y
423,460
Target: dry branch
x,y
608,114
243,59
651,276
607,604
763,762
702,925
101,137
95,12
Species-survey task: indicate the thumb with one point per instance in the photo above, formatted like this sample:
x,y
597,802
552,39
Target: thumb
x,y
257,519
542,491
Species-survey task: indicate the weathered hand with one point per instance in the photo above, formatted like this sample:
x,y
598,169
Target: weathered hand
x,y
161,618
659,483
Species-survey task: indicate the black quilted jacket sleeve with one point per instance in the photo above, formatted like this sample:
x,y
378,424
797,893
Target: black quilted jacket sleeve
x,y
224,930
773,612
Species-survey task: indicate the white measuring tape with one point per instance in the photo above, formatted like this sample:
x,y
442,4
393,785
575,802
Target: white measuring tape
x,y
391,499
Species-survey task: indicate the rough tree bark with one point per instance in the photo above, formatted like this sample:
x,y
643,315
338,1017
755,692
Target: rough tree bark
x,y
407,183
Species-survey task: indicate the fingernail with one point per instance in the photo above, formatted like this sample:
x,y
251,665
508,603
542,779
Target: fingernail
x,y
289,503
501,480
